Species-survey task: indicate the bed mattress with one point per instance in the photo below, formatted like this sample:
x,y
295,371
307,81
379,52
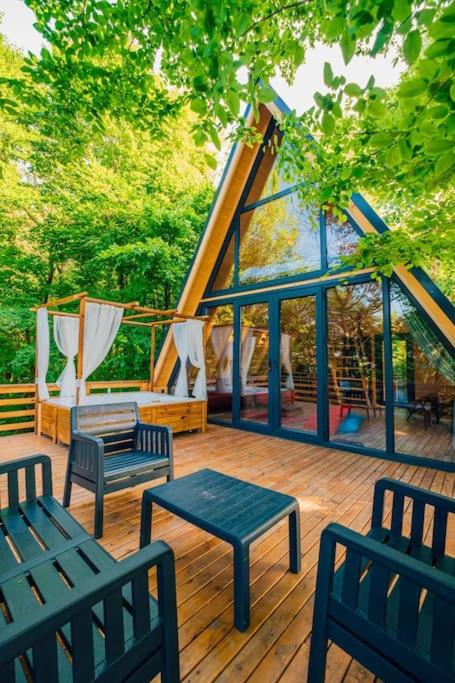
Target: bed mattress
x,y
140,397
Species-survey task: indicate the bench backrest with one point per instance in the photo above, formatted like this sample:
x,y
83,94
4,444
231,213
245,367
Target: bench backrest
x,y
104,419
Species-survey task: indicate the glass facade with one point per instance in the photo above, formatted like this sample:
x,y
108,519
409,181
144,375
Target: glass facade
x,y
342,239
269,178
219,362
298,367
423,383
354,357
254,363
321,358
278,239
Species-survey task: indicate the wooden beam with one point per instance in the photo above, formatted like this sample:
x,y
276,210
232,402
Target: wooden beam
x,y
153,311
125,321
186,316
152,356
119,304
60,302
212,240
62,314
80,346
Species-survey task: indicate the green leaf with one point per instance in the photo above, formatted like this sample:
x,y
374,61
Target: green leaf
x,y
381,38
266,94
233,102
211,161
393,156
444,163
452,91
412,88
436,146
328,75
425,17
412,46
214,136
353,90
405,150
401,10
382,139
439,111
335,27
438,49
427,68
327,123
347,44
376,108
199,106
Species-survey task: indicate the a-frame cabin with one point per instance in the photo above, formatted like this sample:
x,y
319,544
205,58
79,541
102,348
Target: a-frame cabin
x,y
300,351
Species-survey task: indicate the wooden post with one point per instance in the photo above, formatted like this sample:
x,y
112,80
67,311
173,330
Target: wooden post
x,y
37,398
80,347
152,357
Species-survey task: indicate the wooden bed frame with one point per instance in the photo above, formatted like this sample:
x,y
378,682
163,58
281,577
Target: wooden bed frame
x,y
54,420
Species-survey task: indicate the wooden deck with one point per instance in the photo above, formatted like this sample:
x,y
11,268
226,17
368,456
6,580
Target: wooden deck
x,y
331,485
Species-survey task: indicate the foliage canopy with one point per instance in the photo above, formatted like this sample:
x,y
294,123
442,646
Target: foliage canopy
x,y
119,218
103,58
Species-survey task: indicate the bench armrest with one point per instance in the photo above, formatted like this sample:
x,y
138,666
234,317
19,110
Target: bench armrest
x,y
39,631
426,577
420,498
87,451
29,465
154,439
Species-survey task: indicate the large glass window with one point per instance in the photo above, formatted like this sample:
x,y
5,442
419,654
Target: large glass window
x,y
355,333
423,383
270,177
278,239
298,378
219,362
342,239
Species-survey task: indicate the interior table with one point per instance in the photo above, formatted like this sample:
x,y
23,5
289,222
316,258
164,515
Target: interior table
x,y
236,511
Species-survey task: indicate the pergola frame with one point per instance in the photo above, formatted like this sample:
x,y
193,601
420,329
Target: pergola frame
x,y
139,313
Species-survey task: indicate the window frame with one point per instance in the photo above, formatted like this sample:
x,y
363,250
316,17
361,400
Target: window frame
x,y
234,229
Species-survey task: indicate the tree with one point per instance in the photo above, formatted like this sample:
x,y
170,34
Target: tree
x,y
116,212
103,57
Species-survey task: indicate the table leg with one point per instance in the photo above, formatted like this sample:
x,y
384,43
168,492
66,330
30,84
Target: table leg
x,y
241,588
146,522
295,554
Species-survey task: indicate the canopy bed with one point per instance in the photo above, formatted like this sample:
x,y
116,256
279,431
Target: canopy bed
x,y
89,335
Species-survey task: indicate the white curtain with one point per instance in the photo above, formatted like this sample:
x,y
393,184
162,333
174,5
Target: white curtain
x,y
196,355
189,342
66,335
248,346
286,359
42,352
100,329
181,344
222,348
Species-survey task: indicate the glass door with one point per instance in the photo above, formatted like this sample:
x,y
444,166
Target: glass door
x,y
298,380
255,363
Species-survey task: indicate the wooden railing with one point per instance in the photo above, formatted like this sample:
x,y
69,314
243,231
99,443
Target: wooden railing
x,y
18,401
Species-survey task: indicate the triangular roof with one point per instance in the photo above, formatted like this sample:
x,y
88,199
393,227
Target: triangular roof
x,y
233,180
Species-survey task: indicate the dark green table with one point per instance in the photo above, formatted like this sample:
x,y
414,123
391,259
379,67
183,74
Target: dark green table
x,y
231,509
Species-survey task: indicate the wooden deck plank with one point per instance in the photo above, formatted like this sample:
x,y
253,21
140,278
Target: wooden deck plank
x,y
330,485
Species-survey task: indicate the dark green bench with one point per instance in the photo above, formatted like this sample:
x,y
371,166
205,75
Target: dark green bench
x,y
111,450
69,611
391,604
